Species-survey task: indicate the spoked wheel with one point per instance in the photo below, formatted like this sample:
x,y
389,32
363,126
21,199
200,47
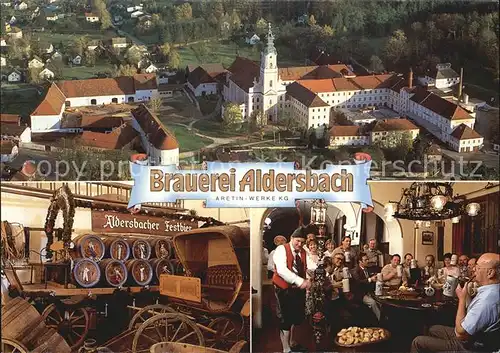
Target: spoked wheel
x,y
147,312
13,346
228,329
71,323
166,328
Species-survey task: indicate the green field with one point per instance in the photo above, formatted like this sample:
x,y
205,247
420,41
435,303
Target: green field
x,y
83,72
187,140
22,101
67,38
214,129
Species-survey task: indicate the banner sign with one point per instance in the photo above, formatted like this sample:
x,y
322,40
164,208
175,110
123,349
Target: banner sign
x,y
235,185
114,222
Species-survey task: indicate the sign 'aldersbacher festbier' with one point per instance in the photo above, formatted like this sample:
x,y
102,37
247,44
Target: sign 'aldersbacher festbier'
x,y
113,222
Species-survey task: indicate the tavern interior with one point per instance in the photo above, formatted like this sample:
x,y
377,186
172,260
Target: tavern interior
x,y
206,269
467,235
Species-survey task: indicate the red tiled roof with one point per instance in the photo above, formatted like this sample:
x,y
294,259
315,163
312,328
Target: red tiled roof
x,y
243,72
6,146
318,86
89,14
463,132
342,130
10,119
199,76
98,87
52,103
210,68
14,130
158,135
439,105
394,125
145,82
117,139
305,96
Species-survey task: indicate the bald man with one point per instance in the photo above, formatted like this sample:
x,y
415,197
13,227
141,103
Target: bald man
x,y
477,328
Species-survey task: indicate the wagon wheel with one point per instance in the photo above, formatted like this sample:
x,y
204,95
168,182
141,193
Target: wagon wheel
x,y
13,346
166,328
142,315
71,323
228,329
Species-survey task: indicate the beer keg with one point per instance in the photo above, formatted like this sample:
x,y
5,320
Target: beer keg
x,y
118,248
140,272
140,248
161,266
21,321
178,268
114,272
86,272
161,248
89,246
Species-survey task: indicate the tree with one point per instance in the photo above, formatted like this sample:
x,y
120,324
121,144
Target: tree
x,y
183,12
312,21
124,70
133,56
376,64
174,59
261,26
165,49
99,7
90,58
235,21
18,49
34,75
155,105
258,118
232,118
327,31
396,47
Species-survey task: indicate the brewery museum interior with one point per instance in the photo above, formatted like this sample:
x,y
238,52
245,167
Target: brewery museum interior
x,y
380,275
82,272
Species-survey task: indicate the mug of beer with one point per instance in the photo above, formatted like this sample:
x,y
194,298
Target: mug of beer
x,y
345,272
429,291
400,271
345,285
347,256
450,286
413,263
453,260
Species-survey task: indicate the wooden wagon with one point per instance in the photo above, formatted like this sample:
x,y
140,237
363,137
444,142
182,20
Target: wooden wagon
x,y
209,306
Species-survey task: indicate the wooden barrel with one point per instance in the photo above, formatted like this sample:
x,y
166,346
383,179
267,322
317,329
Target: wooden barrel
x,y
89,246
140,248
51,341
21,321
140,272
117,248
114,272
86,272
162,248
161,266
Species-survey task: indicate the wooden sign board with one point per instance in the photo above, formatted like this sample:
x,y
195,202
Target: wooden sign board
x,y
115,222
180,287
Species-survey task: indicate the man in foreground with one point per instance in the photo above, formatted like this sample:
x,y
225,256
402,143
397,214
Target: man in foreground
x,y
290,285
477,328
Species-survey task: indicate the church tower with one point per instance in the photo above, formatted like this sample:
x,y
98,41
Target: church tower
x,y
269,77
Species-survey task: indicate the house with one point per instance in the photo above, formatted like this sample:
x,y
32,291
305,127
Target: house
x,y
46,74
12,119
13,20
253,40
387,131
351,135
151,69
56,55
80,93
442,77
136,14
47,48
3,61
160,144
14,76
77,60
36,62
134,8
15,33
140,48
465,139
5,3
11,128
204,79
119,42
91,17
21,6
93,44
50,15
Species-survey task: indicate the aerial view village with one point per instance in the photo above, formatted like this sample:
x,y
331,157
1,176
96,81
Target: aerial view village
x,y
88,85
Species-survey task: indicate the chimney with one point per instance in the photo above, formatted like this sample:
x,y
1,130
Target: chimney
x,y
461,83
410,78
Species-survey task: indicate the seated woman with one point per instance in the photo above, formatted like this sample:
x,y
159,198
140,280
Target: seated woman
x,y
390,274
330,246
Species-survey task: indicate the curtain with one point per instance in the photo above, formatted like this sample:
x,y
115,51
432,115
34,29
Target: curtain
x,y
458,236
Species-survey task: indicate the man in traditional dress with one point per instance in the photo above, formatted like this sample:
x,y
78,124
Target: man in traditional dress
x,y
290,286
373,254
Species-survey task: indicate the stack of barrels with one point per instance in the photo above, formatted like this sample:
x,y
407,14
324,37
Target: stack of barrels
x,y
117,261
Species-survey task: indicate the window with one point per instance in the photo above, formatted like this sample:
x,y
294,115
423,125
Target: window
x,y
93,101
270,102
130,99
114,100
67,104
271,83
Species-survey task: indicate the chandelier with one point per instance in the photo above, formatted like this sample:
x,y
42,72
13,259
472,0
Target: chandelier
x,y
430,202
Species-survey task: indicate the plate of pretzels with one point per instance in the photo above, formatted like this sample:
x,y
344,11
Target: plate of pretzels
x,y
361,336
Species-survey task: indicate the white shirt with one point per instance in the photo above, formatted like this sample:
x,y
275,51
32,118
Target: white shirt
x,y
270,261
289,276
